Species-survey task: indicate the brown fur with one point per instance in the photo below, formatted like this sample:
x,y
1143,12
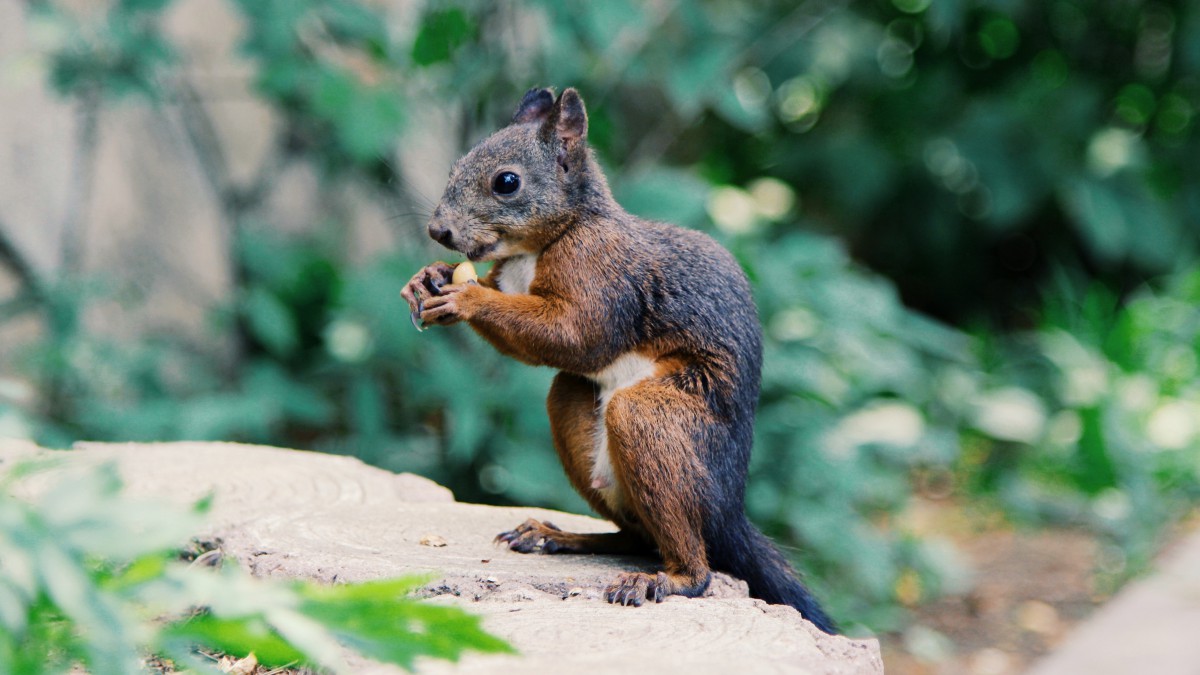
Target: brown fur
x,y
656,414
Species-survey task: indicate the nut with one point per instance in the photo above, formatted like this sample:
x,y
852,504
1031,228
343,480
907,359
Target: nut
x,y
464,272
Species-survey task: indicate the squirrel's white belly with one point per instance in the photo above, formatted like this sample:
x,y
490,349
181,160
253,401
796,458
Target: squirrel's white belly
x,y
625,371
516,274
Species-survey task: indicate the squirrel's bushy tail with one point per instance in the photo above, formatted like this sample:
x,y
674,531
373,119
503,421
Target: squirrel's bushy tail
x,y
748,554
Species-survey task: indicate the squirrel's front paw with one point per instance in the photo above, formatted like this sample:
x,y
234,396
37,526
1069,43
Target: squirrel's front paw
x,y
453,305
530,536
426,284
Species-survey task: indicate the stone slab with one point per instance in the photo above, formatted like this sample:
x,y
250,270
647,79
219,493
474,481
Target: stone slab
x,y
288,513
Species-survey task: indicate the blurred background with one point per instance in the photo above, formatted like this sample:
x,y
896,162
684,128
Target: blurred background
x,y
971,227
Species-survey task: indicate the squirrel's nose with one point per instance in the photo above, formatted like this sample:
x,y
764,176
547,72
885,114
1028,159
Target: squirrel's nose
x,y
440,234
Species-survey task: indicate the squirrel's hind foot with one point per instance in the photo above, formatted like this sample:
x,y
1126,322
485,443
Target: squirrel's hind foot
x,y
634,588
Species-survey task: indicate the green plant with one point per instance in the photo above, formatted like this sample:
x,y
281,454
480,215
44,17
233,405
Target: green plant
x,y
858,399
1108,391
90,577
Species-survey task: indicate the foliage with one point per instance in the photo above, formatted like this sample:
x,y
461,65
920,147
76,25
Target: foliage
x,y
1098,422
332,68
90,577
116,51
990,158
968,149
856,403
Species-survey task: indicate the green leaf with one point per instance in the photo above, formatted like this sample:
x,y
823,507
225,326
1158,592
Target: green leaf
x,y
371,123
700,74
270,321
442,32
143,5
378,620
334,93
104,630
237,635
1098,215
662,193
291,397
368,413
356,23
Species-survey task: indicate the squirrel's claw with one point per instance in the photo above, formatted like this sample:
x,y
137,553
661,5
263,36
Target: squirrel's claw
x,y
530,536
634,588
425,284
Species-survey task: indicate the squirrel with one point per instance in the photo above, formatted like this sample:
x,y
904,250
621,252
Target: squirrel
x,y
655,334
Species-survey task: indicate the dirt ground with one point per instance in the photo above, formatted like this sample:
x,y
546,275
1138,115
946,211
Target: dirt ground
x,y
1032,588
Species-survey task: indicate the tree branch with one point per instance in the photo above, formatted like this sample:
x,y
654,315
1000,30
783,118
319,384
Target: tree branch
x,y
12,258
204,139
234,201
214,163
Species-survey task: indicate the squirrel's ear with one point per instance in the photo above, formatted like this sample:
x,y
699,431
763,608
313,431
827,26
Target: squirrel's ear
x,y
571,122
534,107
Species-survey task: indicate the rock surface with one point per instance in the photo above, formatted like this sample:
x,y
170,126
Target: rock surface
x,y
290,513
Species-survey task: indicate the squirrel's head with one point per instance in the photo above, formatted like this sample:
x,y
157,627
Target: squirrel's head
x,y
519,188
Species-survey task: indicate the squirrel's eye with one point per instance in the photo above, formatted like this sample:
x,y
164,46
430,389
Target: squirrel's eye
x,y
506,183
